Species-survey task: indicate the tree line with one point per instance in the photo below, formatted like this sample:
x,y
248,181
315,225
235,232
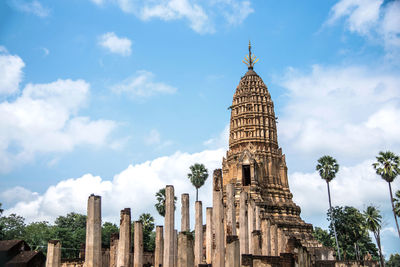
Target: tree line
x,y
348,229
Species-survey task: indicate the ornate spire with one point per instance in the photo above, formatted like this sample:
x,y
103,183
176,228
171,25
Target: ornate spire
x,y
250,59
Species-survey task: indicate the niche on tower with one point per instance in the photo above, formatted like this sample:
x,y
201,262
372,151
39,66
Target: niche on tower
x,y
246,175
246,167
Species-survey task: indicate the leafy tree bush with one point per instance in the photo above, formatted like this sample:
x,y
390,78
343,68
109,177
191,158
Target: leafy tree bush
x,y
324,237
353,237
12,227
106,231
71,231
394,260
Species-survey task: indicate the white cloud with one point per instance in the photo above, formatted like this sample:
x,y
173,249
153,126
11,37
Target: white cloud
x,y
46,51
350,111
357,186
17,194
142,85
98,2
10,72
201,15
222,140
236,12
44,119
153,138
374,19
115,44
176,9
134,187
33,7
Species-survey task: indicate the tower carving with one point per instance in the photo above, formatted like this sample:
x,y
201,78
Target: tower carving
x,y
255,162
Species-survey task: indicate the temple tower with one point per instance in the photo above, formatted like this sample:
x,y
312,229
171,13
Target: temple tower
x,y
254,162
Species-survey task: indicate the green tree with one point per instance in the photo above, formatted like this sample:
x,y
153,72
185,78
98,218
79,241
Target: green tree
x,y
106,231
71,231
327,168
373,221
394,260
12,227
148,227
324,237
388,167
396,201
197,176
37,234
353,236
160,205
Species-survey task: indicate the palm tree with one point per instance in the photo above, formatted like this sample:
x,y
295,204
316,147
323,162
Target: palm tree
x,y
396,201
387,166
327,168
160,205
373,221
198,176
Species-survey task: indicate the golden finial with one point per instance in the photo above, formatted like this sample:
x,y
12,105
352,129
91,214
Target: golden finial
x,y
250,59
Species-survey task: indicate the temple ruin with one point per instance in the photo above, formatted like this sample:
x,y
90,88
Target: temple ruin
x,y
253,221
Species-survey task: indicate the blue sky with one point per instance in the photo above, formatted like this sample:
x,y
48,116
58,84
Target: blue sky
x,y
120,97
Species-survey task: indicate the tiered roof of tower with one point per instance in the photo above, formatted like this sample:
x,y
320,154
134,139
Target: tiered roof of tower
x,y
254,161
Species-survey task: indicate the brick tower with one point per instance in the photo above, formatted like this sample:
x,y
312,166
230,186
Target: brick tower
x,y
254,161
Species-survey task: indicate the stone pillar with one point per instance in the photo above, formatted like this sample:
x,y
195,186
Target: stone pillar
x,y
218,220
114,238
124,243
282,241
232,251
159,250
169,225
138,245
185,250
251,222
198,241
209,235
231,210
175,248
266,236
243,225
53,253
258,218
256,241
185,221
273,240
93,232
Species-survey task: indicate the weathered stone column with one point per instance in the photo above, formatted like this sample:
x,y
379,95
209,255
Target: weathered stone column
x,y
252,222
185,250
209,235
159,249
232,251
124,243
53,253
218,220
114,238
93,232
169,234
175,247
256,241
282,241
273,240
138,245
258,218
243,225
231,210
266,236
185,221
198,241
